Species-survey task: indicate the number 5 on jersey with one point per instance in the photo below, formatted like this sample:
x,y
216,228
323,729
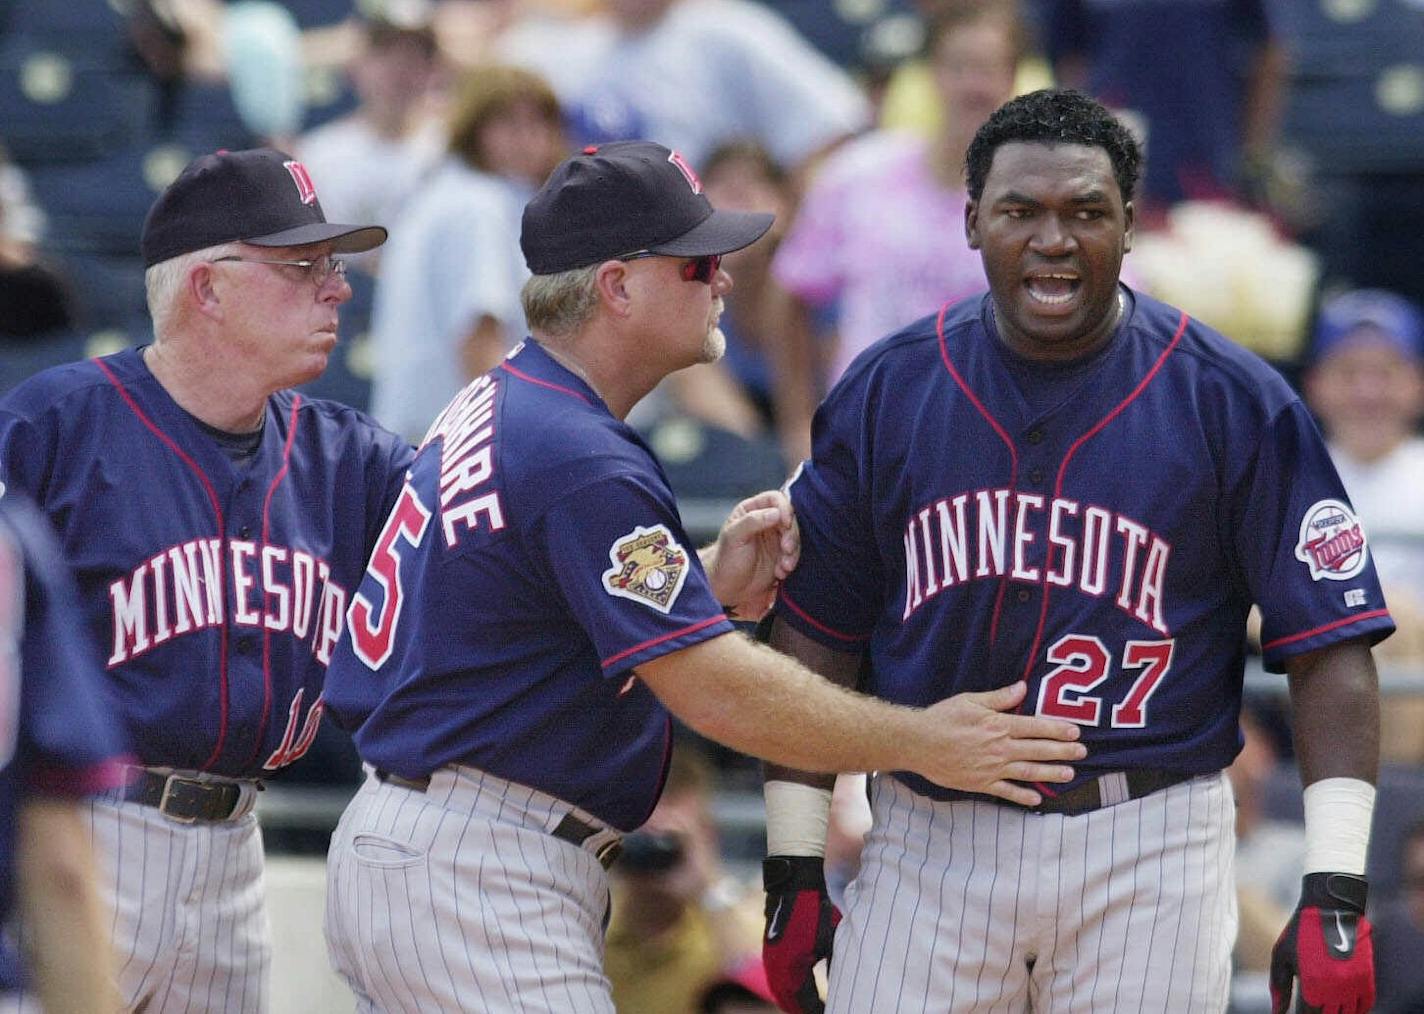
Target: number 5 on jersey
x,y
372,635
1083,662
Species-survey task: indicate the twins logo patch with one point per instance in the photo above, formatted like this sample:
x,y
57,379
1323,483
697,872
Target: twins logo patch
x,y
689,173
1332,542
648,567
305,187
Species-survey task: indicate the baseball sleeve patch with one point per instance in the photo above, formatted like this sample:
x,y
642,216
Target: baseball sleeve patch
x,y
1332,542
648,567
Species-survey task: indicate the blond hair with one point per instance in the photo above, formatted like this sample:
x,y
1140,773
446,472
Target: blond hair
x,y
559,304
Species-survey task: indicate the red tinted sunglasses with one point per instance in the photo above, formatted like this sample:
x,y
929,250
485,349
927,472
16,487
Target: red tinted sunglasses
x,y
699,269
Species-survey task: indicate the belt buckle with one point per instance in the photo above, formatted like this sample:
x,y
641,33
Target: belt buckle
x,y
606,845
607,853
168,785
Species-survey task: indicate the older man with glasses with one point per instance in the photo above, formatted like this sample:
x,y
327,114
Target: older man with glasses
x,y
216,523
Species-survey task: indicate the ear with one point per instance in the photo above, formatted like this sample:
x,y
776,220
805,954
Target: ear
x,y
971,223
614,292
1129,216
201,287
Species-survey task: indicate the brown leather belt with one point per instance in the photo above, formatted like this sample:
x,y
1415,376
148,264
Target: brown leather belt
x,y
186,800
571,829
1108,790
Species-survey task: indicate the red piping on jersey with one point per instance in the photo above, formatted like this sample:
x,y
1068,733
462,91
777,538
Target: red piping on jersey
x,y
266,531
222,537
1063,471
1003,435
659,640
1278,642
543,383
783,597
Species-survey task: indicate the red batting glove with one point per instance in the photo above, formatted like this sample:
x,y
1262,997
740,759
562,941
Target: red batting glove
x,y
800,924
1327,945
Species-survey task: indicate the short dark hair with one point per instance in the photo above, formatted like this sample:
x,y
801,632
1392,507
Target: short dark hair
x,y
1053,116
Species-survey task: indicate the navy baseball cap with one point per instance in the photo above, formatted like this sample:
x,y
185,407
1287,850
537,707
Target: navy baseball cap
x,y
259,196
1373,313
621,198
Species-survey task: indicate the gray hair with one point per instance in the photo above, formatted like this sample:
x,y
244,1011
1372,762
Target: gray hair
x,y
163,281
560,304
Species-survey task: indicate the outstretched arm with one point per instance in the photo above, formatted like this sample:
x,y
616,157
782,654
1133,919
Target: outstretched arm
x,y
762,703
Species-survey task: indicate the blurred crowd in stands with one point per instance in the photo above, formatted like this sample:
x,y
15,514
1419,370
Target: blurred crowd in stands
x,y
1283,203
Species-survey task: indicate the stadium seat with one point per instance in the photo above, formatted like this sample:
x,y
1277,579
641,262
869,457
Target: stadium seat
x,y
99,206
108,288
315,13
59,104
204,118
61,17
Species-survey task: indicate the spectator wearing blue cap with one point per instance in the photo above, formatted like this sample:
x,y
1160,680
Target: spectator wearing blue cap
x,y
1365,383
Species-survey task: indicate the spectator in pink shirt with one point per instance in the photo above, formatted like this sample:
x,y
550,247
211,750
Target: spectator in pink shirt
x,y
880,234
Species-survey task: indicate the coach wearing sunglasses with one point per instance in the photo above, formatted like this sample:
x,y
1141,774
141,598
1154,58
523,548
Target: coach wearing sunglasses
x,y
534,611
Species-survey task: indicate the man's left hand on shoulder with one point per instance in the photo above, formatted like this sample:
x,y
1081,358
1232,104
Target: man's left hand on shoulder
x,y
758,547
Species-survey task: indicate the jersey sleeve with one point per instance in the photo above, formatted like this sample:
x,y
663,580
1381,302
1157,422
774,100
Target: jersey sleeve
x,y
835,594
24,453
616,550
68,740
1304,554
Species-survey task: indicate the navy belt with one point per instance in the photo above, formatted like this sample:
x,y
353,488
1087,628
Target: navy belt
x,y
1108,790
571,829
186,800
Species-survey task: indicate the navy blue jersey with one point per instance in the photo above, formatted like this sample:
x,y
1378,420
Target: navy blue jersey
x,y
57,732
216,590
970,520
534,559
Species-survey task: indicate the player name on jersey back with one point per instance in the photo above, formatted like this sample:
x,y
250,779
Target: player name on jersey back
x,y
467,461
203,583
991,533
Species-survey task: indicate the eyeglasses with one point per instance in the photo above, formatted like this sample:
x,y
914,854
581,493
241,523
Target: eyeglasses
x,y
699,269
319,270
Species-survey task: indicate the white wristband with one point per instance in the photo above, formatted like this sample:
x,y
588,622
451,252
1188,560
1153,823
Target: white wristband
x,y
796,819
1337,825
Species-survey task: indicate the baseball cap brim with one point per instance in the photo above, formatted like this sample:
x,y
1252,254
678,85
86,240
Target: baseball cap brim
x,y
719,233
344,239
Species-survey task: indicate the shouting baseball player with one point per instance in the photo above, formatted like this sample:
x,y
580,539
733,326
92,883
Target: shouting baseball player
x,y
1067,485
58,743
217,524
533,611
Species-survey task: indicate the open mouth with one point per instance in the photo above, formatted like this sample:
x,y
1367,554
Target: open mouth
x,y
1052,289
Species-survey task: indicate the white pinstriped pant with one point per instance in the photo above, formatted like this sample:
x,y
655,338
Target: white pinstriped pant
x,y
458,899
190,921
977,906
